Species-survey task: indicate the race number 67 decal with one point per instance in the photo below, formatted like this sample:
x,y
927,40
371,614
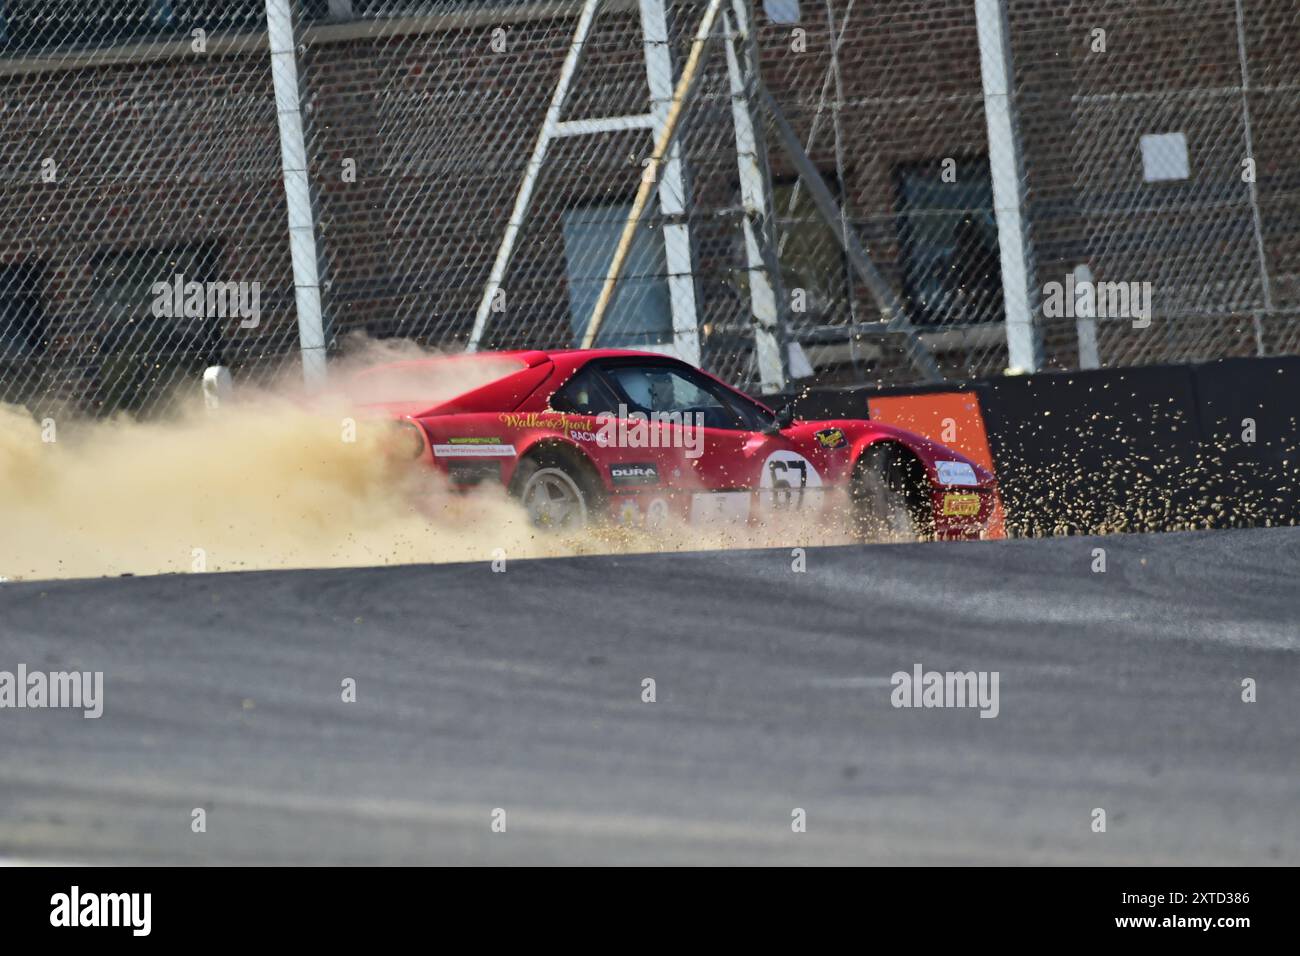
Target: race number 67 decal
x,y
783,472
782,489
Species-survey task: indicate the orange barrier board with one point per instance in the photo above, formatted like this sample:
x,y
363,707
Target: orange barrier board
x,y
951,418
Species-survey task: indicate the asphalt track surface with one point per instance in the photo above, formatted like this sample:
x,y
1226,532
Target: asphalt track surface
x,y
522,690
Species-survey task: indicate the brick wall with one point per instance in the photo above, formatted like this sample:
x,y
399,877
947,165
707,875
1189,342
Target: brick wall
x,y
176,148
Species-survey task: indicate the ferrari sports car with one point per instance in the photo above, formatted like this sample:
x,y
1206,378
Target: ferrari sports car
x,y
636,438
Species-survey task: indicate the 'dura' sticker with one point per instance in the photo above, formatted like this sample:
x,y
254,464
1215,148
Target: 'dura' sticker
x,y
633,474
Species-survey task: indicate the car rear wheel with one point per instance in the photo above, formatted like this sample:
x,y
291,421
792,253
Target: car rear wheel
x,y
891,496
557,494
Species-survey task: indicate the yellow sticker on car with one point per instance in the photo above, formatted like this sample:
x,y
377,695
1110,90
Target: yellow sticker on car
x,y
961,504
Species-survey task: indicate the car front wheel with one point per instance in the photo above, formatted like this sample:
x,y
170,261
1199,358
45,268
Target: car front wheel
x,y
891,496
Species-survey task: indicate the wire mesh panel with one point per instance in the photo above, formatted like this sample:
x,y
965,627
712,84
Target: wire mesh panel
x,y
1159,152
142,234
830,195
455,98
886,100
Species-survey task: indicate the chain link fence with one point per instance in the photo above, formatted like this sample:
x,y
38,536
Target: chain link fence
x,y
1160,144
845,194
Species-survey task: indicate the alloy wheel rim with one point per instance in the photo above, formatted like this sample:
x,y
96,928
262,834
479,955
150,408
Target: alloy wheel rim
x,y
553,500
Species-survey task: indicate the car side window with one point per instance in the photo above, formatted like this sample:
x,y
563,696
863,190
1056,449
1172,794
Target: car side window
x,y
668,390
584,394
754,417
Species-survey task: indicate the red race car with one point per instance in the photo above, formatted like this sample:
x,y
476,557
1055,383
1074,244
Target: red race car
x,y
638,438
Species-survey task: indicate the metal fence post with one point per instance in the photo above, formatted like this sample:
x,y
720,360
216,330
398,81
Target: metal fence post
x,y
297,192
1006,167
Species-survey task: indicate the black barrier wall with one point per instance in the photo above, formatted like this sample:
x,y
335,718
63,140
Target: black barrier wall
x,y
1132,449
1110,450
1248,411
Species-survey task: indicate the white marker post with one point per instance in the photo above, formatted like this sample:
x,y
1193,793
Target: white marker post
x,y
217,386
1085,319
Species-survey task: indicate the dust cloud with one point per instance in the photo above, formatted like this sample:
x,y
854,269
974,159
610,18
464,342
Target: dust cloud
x,y
270,485
272,480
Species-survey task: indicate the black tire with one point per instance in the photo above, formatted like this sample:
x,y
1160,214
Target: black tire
x,y
560,492
890,496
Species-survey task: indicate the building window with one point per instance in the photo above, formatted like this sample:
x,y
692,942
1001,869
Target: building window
x,y
641,313
142,354
815,273
22,313
814,269
782,11
948,239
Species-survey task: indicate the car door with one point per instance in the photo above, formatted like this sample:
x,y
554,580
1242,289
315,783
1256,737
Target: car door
x,y
754,453
716,454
